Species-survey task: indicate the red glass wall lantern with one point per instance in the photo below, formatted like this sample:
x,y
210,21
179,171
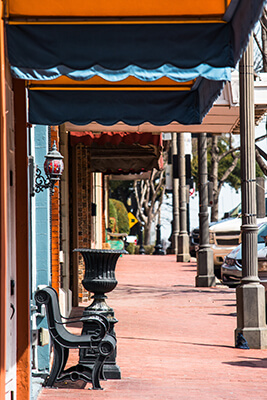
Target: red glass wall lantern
x,y
53,167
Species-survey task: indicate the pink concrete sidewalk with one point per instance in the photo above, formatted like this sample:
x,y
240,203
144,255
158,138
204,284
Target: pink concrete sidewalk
x,y
175,341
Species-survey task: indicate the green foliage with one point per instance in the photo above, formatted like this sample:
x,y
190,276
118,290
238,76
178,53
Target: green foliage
x,y
259,171
122,216
131,248
113,217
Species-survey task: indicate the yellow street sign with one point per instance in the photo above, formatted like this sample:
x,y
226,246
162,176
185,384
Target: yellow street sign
x,y
132,219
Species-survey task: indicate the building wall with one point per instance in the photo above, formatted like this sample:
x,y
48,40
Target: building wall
x,y
41,241
11,276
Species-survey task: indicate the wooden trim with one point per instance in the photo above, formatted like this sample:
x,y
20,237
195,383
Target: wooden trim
x,y
22,243
104,21
3,212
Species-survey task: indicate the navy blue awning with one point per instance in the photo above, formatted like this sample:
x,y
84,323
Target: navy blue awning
x,y
159,107
80,47
37,48
179,50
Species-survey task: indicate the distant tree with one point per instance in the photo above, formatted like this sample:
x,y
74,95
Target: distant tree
x,y
149,197
223,167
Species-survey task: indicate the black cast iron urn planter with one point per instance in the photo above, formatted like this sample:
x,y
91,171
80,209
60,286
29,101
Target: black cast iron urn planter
x,y
99,278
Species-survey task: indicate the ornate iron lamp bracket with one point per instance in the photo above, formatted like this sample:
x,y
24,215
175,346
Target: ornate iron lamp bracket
x,y
53,167
42,183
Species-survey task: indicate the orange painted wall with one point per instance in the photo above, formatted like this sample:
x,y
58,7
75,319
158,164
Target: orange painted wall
x,y
55,221
22,244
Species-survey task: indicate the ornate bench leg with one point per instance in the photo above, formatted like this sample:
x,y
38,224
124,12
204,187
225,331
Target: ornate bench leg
x,y
59,362
106,347
98,366
65,359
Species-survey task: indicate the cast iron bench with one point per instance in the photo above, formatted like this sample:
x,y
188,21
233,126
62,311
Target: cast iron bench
x,y
98,341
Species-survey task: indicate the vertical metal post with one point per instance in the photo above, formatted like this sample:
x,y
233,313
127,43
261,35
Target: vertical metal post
x,y
183,238
158,247
205,266
141,242
250,294
175,194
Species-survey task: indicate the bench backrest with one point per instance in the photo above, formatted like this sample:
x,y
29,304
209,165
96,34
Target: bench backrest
x,y
49,297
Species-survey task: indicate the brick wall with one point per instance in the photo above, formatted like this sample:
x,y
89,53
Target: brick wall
x,y
84,200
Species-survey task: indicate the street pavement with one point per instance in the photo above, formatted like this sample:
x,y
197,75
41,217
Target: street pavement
x,y
175,341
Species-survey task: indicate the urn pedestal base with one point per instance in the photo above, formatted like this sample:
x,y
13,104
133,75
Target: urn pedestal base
x,y
99,278
87,357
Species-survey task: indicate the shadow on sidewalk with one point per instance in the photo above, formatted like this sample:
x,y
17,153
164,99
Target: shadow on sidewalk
x,y
256,363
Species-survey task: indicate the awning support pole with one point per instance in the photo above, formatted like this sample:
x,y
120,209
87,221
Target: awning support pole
x,y
251,318
175,194
205,266
183,238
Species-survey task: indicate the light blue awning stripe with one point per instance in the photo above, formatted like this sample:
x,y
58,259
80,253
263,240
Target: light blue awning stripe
x,y
146,75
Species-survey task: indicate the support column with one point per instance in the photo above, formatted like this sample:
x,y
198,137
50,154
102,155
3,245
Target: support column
x,y
175,194
251,320
183,239
205,266
22,244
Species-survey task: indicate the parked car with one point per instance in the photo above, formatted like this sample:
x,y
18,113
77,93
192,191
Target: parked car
x,y
194,240
231,269
194,235
224,236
